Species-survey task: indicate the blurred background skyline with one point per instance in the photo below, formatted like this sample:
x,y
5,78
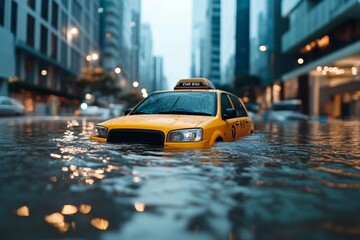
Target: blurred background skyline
x,y
58,54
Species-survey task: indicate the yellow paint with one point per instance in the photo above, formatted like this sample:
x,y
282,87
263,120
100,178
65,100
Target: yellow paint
x,y
214,127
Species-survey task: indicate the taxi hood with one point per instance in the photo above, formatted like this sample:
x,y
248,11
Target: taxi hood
x,y
164,122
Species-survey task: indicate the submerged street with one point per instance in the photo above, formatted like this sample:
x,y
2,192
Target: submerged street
x,y
288,180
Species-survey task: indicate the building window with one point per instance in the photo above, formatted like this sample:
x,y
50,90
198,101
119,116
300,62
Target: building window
x,y
77,10
53,46
65,3
32,4
55,15
44,40
14,17
2,12
64,24
29,70
45,9
30,31
64,54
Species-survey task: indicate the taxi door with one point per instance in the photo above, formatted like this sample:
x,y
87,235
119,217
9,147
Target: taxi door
x,y
243,122
231,131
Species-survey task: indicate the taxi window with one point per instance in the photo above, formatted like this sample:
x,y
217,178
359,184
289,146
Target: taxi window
x,y
225,103
240,111
182,102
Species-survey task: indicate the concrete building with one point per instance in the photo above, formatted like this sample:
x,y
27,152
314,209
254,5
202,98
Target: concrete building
x,y
51,40
120,39
323,50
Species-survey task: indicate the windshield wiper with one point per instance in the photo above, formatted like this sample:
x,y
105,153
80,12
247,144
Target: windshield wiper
x,y
185,112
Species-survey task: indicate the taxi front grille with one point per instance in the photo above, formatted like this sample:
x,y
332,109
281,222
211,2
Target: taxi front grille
x,y
136,136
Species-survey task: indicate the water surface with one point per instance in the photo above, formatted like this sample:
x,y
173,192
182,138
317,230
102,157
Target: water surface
x,y
287,181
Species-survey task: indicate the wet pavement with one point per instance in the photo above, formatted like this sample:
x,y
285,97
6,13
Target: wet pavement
x,y
287,181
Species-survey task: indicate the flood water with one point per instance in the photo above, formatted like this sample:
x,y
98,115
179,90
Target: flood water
x,y
286,181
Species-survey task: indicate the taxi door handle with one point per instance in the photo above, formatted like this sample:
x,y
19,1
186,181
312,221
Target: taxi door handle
x,y
237,123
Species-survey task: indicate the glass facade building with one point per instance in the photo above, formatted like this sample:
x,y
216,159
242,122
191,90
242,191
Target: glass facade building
x,y
51,41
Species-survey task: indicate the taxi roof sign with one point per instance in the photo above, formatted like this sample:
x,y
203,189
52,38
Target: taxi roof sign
x,y
194,83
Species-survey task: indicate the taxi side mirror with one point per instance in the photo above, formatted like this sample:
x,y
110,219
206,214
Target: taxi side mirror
x,y
229,113
127,111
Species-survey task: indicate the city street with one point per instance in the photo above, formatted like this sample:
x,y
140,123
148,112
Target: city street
x,y
289,180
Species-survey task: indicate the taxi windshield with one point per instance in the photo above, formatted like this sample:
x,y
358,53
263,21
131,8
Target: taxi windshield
x,y
182,102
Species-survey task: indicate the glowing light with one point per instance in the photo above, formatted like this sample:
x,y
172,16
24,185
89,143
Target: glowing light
x,y
84,106
84,208
319,69
108,35
89,181
95,56
64,169
55,218
43,72
263,48
117,70
23,211
54,155
74,31
140,207
69,210
100,10
143,90
300,61
135,84
145,95
88,96
354,71
136,179
88,58
99,223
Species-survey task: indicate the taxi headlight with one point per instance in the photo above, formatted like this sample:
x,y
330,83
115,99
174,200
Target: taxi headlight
x,y
100,132
185,135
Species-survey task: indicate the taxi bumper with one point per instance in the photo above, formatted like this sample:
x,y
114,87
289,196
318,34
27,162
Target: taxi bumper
x,y
170,145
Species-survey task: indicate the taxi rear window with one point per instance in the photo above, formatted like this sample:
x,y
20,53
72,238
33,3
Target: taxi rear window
x,y
187,103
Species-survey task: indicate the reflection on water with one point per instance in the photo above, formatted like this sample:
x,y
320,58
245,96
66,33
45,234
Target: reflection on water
x,y
288,181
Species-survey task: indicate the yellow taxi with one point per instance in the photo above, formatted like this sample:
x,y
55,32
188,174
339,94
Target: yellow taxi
x,y
194,115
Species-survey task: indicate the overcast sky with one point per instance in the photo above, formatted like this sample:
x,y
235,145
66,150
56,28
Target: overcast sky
x,y
170,22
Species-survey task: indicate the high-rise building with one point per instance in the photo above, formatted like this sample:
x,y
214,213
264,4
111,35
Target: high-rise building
x,y
198,39
146,58
120,38
220,40
159,80
212,45
50,40
228,41
242,38
322,49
